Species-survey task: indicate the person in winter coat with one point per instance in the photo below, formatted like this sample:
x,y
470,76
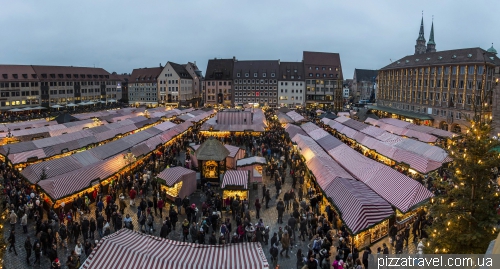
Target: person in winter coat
x,y
132,194
280,207
160,205
274,254
165,229
27,247
257,208
193,231
285,243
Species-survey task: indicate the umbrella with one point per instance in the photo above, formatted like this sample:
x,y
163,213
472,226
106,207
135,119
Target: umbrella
x,y
111,100
56,106
71,104
83,104
90,103
16,110
27,108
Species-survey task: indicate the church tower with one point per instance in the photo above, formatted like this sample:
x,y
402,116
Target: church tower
x,y
420,46
431,45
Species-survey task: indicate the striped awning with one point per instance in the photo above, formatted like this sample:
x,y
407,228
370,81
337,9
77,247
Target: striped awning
x,y
235,178
360,207
174,174
128,249
295,116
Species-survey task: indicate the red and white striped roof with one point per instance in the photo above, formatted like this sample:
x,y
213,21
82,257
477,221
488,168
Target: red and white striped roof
x,y
396,188
359,206
235,178
175,174
295,116
128,249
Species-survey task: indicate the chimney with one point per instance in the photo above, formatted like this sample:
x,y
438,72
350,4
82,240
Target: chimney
x,y
278,61
161,66
234,58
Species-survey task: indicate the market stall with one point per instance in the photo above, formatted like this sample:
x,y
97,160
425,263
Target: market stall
x,y
235,122
127,249
255,165
211,157
177,181
235,184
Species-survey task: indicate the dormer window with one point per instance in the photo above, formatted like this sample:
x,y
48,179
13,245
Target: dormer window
x,y
427,59
101,76
238,75
75,75
247,75
492,58
44,75
255,75
416,60
469,55
273,75
454,56
407,61
68,75
95,76
89,76
34,75
440,58
5,76
61,75
398,62
53,75
264,74
14,76
25,75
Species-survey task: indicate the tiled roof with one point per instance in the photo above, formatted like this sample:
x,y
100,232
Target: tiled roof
x,y
145,74
458,56
322,59
289,69
365,74
219,69
180,70
259,66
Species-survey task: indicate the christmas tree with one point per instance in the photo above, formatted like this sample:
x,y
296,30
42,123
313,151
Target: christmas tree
x,y
464,219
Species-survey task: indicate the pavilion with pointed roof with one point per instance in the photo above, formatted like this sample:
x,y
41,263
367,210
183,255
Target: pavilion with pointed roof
x,y
211,156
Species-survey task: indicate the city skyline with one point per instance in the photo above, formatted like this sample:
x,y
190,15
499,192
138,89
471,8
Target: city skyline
x,y
121,36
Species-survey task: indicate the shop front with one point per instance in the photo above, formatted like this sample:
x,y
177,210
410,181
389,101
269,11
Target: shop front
x,y
235,184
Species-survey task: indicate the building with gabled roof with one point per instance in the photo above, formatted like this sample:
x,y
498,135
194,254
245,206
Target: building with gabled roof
x,y
143,86
363,84
176,85
256,81
218,86
291,85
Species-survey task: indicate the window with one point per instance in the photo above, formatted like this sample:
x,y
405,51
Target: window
x,y
238,75
247,75
438,96
317,68
445,97
461,84
468,99
454,70
440,69
310,74
480,70
264,74
462,69
273,75
431,95
255,75
460,98
471,70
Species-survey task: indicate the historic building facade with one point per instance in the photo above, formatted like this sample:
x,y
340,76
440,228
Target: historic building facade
x,y
363,84
143,86
323,78
438,88
291,84
218,83
256,82
34,85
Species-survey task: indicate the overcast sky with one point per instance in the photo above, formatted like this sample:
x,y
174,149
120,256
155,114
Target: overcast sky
x,y
123,35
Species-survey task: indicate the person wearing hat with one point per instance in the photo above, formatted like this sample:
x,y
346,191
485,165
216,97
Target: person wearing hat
x,y
56,264
132,194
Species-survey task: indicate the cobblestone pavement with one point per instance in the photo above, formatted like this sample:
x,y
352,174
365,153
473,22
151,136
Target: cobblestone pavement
x,y
269,216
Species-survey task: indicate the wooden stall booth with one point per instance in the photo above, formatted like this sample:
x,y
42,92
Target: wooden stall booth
x,y
235,184
177,181
211,157
254,165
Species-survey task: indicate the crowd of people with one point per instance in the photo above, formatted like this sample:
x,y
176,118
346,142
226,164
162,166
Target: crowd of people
x,y
302,214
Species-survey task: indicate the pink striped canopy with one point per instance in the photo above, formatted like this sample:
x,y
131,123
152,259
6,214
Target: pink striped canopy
x,y
235,178
175,174
128,249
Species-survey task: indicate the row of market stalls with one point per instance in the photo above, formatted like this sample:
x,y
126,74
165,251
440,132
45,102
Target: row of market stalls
x,y
400,191
390,122
235,154
359,207
416,156
235,122
63,178
129,249
75,138
424,137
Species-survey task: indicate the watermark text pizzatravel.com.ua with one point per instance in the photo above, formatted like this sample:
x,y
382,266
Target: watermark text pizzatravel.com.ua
x,y
385,262
424,261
